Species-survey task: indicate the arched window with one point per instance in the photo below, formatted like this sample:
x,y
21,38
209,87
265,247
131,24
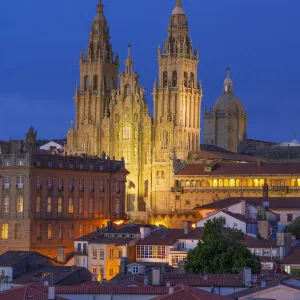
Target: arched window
x,y
126,132
215,183
146,188
163,176
95,83
185,75
86,82
220,183
174,79
192,80
193,183
165,79
126,155
256,182
117,119
232,183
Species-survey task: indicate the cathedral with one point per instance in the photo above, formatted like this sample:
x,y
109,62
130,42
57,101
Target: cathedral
x,y
112,116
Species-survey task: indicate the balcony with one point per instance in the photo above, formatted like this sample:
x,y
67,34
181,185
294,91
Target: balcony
x,y
81,252
182,250
176,189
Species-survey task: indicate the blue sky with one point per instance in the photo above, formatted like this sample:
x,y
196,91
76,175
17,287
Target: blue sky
x,y
41,41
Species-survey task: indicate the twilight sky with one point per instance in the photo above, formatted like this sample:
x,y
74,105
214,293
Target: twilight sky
x,y
41,40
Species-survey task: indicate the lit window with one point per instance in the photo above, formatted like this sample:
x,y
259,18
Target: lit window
x,y
126,155
4,233
50,231
59,205
20,204
120,253
80,208
38,204
71,206
6,204
287,269
49,205
232,183
126,131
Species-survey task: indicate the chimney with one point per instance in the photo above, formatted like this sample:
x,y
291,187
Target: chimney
x,y
61,254
145,231
247,276
187,227
171,290
243,207
264,229
123,265
156,276
51,293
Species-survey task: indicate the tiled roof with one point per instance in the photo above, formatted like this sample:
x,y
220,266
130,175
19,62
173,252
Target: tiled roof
x,y
293,258
237,216
218,280
251,242
274,203
26,292
107,290
115,241
168,237
182,292
241,169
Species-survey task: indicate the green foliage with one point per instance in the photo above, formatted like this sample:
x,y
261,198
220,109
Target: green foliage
x,y
220,251
295,272
294,228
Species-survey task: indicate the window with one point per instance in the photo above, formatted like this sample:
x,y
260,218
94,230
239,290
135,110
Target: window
x,y
266,252
126,132
71,184
81,189
120,253
49,164
101,186
20,182
188,202
151,252
94,254
165,139
6,163
6,181
176,259
111,253
290,217
94,270
95,82
49,181
20,204
38,182
6,204
71,206
86,82
39,231
49,204
91,205
185,80
111,271
3,273
126,155
71,233
60,184
101,254
91,185
4,233
287,269
80,208
165,79
192,84
60,232
101,272
174,79
50,231
135,270
81,232
59,205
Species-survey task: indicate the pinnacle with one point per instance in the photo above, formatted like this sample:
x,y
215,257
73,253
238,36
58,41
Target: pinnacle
x,y
179,3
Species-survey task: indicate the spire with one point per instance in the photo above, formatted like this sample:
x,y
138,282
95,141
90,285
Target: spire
x,y
179,3
129,62
178,10
228,83
99,16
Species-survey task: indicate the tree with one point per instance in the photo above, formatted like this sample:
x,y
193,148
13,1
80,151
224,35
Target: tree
x,y
294,228
221,251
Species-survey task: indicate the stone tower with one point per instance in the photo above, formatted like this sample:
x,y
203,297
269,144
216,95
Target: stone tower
x,y
127,133
98,76
177,94
225,125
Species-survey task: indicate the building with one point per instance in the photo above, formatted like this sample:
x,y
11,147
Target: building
x,y
292,260
48,200
169,246
106,251
54,145
115,119
287,209
225,125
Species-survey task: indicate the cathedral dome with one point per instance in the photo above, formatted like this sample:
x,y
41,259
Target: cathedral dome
x,y
228,101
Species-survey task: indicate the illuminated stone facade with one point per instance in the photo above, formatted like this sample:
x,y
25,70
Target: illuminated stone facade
x,y
114,118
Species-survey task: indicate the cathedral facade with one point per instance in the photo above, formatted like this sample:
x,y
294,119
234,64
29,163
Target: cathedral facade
x,y
112,115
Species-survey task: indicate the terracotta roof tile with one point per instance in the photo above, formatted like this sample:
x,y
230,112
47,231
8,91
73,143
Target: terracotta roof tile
x,y
241,169
251,242
293,258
